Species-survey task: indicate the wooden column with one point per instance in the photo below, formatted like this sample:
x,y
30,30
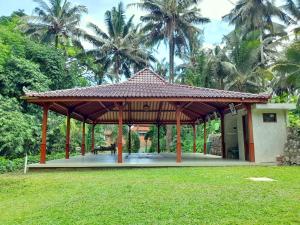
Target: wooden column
x,y
68,135
83,139
44,134
204,137
223,136
129,139
120,133
158,139
178,128
194,138
93,138
250,133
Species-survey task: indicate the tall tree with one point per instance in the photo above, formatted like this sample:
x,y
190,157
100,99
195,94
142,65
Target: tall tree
x,y
56,22
288,71
293,8
172,21
121,48
257,15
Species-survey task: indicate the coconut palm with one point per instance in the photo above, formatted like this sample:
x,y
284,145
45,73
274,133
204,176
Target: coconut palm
x,y
293,8
171,21
56,22
256,15
244,53
120,49
288,71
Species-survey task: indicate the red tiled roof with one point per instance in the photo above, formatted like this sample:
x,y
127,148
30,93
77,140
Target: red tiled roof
x,y
145,84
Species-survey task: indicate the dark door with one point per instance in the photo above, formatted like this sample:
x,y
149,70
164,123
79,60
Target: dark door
x,y
246,137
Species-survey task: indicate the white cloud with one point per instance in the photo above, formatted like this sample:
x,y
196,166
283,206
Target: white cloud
x,y
215,9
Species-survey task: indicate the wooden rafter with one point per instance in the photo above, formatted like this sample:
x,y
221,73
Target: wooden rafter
x,y
64,107
181,106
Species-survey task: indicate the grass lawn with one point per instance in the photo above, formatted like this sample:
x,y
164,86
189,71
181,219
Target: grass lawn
x,y
152,196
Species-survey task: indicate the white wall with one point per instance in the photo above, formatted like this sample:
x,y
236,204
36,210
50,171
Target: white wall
x,y
269,137
234,137
230,128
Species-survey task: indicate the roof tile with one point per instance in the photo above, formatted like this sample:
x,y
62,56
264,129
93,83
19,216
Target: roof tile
x,y
145,83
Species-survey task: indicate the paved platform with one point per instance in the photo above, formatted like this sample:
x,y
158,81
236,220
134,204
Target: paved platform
x,y
106,160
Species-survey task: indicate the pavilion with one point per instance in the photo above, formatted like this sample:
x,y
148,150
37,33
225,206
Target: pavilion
x,y
145,98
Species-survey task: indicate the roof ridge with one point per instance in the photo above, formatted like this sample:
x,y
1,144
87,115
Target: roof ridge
x,y
145,69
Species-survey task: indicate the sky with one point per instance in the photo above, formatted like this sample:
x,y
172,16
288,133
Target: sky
x,y
213,9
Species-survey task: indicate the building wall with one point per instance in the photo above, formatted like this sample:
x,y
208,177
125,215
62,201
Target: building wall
x,y
269,137
240,130
234,137
230,128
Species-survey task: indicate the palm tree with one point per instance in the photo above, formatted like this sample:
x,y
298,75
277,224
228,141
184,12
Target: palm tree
x,y
120,49
256,15
172,21
56,22
288,71
293,8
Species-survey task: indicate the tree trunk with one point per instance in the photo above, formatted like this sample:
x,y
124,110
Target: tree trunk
x,y
262,59
171,80
56,41
171,59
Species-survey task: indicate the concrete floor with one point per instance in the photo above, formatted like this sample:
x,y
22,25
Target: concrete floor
x,y
106,160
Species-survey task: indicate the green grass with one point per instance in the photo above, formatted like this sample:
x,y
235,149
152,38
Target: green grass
x,y
152,196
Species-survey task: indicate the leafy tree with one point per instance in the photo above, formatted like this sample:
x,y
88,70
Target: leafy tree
x,y
293,7
56,22
171,21
121,48
256,15
288,71
244,55
20,73
174,22
194,72
18,130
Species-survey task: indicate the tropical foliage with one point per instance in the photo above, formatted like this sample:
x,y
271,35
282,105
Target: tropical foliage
x,y
120,49
56,23
44,52
171,21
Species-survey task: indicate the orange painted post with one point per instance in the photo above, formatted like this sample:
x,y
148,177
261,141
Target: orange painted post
x,y
83,139
250,132
93,138
120,133
194,137
178,145
44,134
68,135
158,139
204,138
223,136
